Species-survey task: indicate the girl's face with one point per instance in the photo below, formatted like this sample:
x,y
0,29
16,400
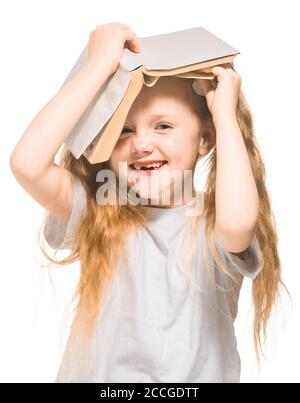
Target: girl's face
x,y
161,126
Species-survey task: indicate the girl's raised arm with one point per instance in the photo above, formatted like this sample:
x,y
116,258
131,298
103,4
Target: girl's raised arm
x,y
32,159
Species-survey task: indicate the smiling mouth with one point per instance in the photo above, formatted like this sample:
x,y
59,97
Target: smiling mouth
x,y
153,167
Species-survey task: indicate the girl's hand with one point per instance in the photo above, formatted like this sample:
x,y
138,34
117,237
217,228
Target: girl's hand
x,y
222,100
106,45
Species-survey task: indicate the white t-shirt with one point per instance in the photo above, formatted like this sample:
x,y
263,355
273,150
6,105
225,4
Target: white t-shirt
x,y
157,325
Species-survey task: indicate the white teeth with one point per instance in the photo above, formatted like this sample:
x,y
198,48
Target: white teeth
x,y
155,165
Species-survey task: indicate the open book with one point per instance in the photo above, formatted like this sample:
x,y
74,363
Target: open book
x,y
181,53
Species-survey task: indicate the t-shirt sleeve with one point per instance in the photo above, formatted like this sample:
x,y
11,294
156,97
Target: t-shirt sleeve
x,y
249,265
59,233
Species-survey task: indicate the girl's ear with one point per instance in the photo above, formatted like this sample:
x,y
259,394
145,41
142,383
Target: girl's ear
x,y
207,139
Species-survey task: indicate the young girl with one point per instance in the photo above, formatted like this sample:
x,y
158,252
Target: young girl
x,y
141,316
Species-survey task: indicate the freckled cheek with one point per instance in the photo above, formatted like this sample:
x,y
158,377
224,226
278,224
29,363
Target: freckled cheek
x,y
183,155
175,152
120,153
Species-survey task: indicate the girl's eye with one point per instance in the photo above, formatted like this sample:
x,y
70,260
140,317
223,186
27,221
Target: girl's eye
x,y
125,128
165,126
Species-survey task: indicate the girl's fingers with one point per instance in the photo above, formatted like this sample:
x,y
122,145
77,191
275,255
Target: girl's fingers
x,y
133,41
136,41
221,71
217,70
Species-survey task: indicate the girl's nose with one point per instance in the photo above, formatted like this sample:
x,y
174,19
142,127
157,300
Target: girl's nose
x,y
141,143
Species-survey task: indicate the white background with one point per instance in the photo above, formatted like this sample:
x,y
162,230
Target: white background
x,y
40,42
